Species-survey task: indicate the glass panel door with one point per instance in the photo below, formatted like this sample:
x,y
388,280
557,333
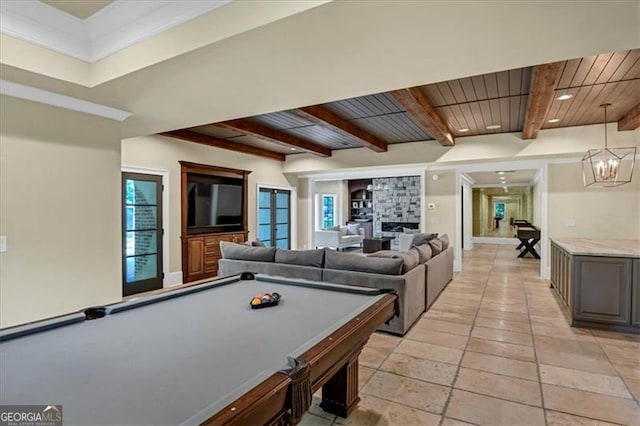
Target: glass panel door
x,y
141,233
274,217
282,219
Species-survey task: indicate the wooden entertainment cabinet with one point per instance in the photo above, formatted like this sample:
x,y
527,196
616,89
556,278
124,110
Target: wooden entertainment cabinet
x,y
201,246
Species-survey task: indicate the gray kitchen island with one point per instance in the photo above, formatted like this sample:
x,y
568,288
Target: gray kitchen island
x,y
598,280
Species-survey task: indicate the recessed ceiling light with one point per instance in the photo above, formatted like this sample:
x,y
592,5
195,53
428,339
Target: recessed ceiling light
x,y
465,130
500,173
493,126
554,120
293,149
565,97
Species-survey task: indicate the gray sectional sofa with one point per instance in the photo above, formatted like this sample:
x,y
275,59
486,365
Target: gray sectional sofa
x,y
408,273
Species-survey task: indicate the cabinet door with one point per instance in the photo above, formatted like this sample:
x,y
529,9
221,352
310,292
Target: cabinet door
x,y
237,238
602,290
635,293
196,256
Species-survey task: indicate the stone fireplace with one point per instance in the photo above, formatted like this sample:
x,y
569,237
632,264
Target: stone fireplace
x,y
398,226
396,203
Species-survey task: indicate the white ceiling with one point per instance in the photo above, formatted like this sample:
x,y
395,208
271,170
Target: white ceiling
x,y
513,177
251,58
119,24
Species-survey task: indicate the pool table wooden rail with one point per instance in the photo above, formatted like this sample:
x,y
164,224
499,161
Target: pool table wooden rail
x,y
333,366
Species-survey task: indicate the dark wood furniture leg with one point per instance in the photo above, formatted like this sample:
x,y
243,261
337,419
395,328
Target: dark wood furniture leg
x,y
340,393
529,247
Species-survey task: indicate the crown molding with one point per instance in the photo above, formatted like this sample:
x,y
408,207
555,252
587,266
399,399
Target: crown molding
x,y
119,25
21,91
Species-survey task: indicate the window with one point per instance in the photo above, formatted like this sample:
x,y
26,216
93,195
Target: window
x,y
328,210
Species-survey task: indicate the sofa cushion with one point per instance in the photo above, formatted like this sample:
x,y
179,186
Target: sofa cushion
x,y
436,246
410,231
445,241
409,258
257,243
243,252
352,228
357,263
424,252
301,257
419,239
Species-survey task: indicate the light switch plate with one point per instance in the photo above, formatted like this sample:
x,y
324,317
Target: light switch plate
x,y
571,223
3,243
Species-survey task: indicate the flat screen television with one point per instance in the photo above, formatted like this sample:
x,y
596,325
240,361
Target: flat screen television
x,y
214,204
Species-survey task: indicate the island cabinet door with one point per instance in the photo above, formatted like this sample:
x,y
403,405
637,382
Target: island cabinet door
x,y
635,293
602,290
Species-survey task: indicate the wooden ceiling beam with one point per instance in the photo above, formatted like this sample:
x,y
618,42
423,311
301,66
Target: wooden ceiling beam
x,y
191,136
326,118
263,132
419,107
544,79
631,120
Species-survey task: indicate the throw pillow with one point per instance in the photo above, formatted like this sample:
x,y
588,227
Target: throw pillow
x,y
410,231
301,257
436,246
242,252
352,228
257,243
424,252
410,258
357,263
332,228
420,239
445,241
343,231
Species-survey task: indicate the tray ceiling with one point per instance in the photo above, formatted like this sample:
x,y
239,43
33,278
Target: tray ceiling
x,y
81,9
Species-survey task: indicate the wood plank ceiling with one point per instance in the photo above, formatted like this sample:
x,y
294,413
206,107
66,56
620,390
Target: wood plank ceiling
x,y
562,94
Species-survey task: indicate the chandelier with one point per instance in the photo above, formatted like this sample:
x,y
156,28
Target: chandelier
x,y
608,167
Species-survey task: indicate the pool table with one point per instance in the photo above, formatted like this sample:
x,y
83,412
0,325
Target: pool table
x,y
198,355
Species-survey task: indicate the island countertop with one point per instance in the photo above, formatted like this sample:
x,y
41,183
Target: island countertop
x,y
599,247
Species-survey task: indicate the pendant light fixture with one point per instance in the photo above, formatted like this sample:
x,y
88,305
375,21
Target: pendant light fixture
x,y
608,167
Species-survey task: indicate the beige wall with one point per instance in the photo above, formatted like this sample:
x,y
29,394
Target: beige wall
x,y
304,213
598,212
60,209
537,211
441,192
568,142
158,152
337,188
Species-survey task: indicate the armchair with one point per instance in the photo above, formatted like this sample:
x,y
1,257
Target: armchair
x,y
339,236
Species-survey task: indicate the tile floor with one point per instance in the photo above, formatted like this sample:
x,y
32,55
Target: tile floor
x,y
495,349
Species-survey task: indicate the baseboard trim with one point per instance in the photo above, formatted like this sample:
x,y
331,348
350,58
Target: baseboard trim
x,y
495,240
172,279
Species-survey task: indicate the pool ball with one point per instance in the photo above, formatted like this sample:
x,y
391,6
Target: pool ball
x,y
276,296
256,301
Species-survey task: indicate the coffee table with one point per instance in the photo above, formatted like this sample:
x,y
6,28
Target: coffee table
x,y
372,245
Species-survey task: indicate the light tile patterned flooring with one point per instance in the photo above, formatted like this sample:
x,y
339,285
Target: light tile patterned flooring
x,y
496,349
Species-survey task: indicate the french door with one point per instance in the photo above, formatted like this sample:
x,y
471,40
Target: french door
x,y
141,233
274,217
